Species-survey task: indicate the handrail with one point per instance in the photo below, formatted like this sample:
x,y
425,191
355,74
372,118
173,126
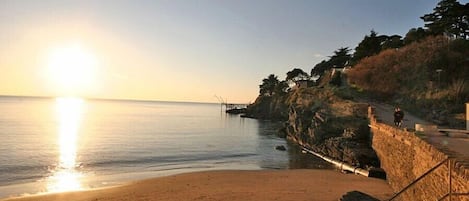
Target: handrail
x,y
452,194
418,179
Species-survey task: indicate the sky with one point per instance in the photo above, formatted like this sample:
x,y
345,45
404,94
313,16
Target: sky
x,y
172,50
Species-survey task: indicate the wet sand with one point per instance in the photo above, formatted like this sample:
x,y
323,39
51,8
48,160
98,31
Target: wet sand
x,y
228,185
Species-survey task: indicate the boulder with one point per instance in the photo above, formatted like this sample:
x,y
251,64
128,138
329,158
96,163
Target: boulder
x,y
280,148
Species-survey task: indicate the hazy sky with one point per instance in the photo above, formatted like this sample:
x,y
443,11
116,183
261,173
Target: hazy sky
x,y
180,50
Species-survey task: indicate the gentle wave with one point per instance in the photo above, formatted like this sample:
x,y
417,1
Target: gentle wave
x,y
105,137
167,159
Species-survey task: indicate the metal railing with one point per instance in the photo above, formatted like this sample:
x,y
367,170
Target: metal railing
x,y
420,178
450,193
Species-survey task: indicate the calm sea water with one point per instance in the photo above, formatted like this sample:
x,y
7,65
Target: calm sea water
x,y
54,145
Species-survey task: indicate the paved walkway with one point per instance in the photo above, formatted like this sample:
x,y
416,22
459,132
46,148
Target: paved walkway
x,y
455,147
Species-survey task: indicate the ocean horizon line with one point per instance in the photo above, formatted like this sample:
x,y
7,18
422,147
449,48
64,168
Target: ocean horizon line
x,y
108,99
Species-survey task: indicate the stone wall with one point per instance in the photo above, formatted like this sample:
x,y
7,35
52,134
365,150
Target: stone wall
x,y
405,157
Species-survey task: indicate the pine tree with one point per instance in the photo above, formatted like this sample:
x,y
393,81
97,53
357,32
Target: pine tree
x,y
449,17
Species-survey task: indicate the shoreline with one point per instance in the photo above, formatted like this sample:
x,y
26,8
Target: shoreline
x,y
90,182
298,184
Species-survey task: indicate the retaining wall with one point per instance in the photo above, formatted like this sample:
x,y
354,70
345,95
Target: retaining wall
x,y
405,157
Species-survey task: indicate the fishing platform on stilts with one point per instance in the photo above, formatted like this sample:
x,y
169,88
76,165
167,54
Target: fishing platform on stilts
x,y
232,108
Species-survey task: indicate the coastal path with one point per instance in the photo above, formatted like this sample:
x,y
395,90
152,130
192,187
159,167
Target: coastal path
x,y
453,146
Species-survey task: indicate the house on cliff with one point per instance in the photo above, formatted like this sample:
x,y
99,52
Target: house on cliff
x,y
300,84
341,70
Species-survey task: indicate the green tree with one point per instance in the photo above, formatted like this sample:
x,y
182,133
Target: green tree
x,y
392,42
296,74
281,88
269,85
369,46
340,59
320,68
449,17
415,35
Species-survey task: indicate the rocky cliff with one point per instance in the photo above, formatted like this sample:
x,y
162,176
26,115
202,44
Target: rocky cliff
x,y
268,107
320,120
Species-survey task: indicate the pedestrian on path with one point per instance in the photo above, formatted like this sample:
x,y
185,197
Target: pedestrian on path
x,y
398,116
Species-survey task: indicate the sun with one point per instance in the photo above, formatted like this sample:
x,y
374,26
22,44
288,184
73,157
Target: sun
x,y
71,69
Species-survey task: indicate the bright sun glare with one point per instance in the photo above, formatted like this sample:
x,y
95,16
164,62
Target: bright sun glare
x,y
71,69
66,177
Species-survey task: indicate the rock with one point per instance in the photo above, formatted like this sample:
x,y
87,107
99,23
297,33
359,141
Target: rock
x,y
357,196
356,153
282,132
377,173
318,119
268,107
327,129
280,148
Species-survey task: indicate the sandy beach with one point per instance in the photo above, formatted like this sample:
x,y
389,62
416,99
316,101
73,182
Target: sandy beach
x,y
231,185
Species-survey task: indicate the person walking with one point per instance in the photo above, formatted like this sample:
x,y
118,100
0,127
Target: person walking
x,y
398,116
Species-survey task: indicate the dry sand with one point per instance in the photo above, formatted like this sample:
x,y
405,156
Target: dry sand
x,y
232,185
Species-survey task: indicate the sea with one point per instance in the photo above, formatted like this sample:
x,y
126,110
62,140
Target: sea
x,y
66,144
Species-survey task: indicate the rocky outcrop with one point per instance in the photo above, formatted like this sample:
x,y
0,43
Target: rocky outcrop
x,y
334,131
268,107
319,120
280,148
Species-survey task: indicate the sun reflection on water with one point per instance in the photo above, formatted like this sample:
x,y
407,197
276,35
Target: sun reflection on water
x,y
66,177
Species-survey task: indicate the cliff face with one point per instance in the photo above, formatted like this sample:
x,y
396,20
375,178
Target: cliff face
x,y
268,107
320,120
327,124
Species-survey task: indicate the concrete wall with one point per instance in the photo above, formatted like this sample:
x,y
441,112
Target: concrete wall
x,y
405,157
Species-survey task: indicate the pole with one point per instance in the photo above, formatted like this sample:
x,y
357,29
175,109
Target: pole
x,y
438,71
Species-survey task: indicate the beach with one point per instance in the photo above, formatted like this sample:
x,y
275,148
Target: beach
x,y
300,184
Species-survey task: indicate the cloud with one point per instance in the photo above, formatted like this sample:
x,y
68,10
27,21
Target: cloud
x,y
317,55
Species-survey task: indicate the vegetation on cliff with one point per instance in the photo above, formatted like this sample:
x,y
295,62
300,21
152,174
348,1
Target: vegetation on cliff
x,y
426,72
319,118
428,68
428,77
